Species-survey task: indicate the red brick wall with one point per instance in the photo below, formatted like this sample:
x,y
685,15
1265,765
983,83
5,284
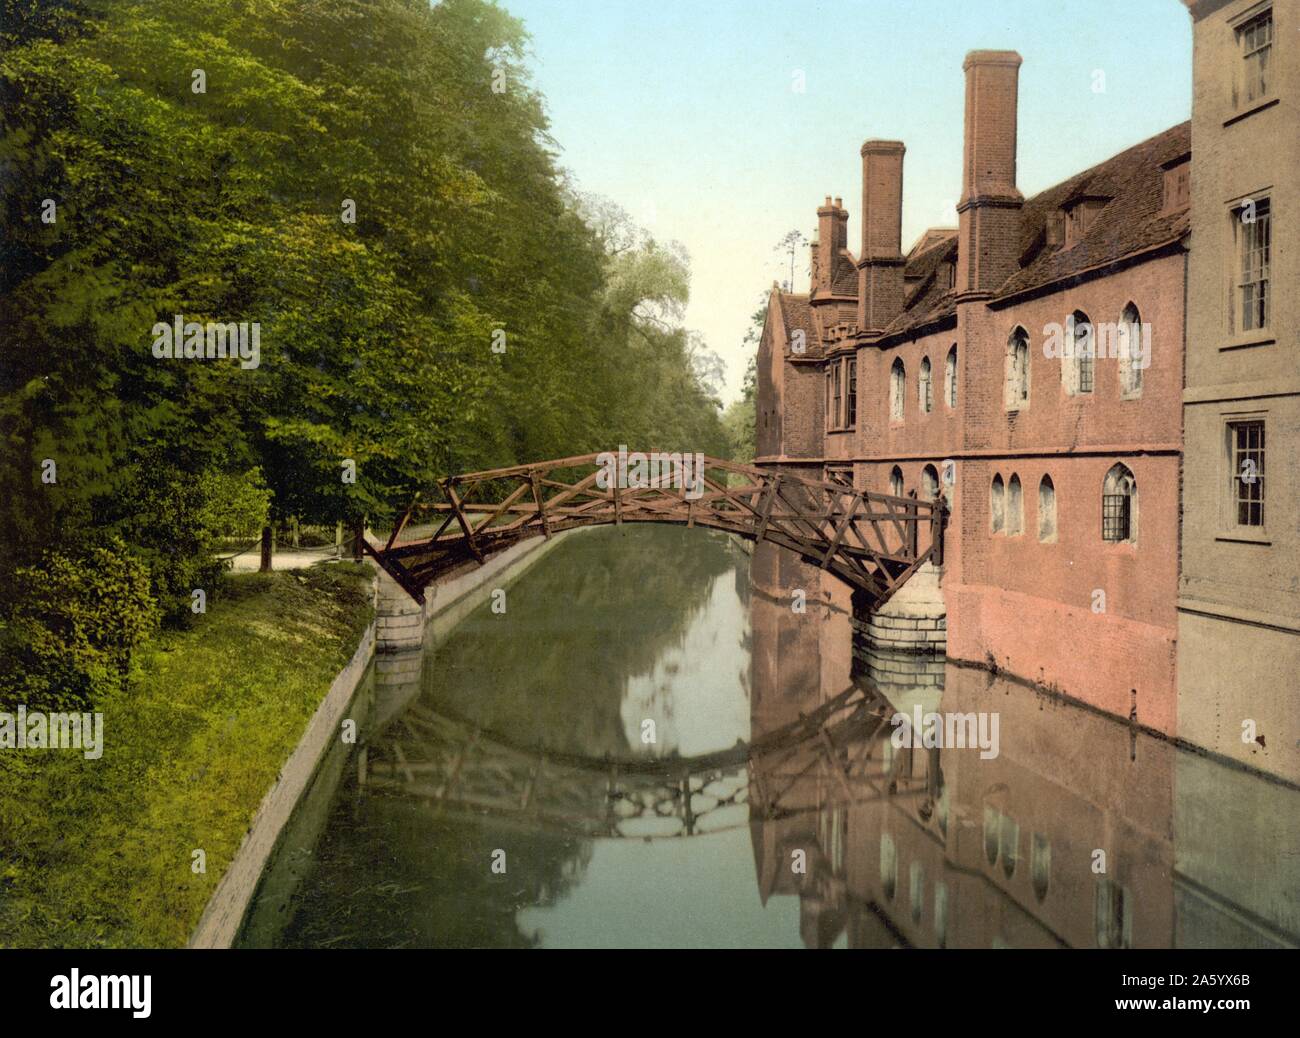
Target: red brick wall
x,y
1025,603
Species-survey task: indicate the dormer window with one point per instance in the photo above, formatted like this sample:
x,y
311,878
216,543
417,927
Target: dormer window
x,y
950,274
1079,216
1056,227
1178,185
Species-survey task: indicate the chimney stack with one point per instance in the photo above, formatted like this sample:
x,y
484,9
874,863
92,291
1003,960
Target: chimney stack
x,y
832,237
988,247
880,266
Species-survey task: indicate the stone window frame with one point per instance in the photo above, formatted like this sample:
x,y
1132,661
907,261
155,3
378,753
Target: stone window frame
x,y
1073,367
1040,865
997,504
1251,262
1047,531
1130,376
897,391
1251,54
1014,524
1230,530
841,394
929,482
1016,387
950,377
925,386
1119,482
916,890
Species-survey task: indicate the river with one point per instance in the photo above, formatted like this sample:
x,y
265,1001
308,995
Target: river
x,y
647,744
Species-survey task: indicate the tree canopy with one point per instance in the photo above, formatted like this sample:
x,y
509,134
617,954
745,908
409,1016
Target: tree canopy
x,y
369,182
372,183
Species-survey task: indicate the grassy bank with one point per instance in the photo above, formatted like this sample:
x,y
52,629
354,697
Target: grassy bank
x,y
100,852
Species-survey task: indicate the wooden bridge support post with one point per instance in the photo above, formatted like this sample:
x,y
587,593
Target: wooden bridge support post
x,y
773,489
541,505
470,539
913,531
938,526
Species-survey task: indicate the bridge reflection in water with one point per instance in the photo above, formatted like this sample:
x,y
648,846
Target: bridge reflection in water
x,y
458,767
525,738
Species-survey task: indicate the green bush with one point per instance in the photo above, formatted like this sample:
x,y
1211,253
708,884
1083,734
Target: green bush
x,y
175,521
76,619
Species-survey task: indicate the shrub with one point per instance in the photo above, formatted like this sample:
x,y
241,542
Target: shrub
x,y
76,619
175,520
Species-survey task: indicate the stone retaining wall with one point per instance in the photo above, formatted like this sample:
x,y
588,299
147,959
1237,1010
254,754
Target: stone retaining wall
x,y
914,620
393,642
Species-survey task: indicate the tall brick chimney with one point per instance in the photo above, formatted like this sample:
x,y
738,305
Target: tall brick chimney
x,y
832,237
989,211
880,267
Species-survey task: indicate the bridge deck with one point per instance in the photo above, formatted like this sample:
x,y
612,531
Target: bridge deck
x,y
874,542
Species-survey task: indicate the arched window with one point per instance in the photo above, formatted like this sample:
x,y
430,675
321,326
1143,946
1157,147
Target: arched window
x,y
888,865
941,914
896,482
1134,353
1015,507
925,390
1040,865
1082,352
1009,845
997,503
897,389
1017,371
916,889
930,482
992,827
1119,505
950,378
1046,510
1114,915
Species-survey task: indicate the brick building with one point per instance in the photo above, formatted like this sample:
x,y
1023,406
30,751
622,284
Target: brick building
x,y
1029,365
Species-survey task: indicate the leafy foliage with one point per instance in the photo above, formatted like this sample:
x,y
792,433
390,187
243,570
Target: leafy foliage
x,y
349,180
78,617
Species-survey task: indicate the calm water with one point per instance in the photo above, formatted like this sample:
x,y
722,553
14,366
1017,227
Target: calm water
x,y
568,774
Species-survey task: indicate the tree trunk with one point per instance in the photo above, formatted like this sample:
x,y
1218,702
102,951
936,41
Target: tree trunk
x,y
358,537
268,548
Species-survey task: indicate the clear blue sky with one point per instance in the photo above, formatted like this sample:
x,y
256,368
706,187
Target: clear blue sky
x,y
684,112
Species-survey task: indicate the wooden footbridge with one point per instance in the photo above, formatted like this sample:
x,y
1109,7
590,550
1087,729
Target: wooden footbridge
x,y
872,541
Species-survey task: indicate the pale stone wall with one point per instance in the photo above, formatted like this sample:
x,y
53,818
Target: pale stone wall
x,y
1239,593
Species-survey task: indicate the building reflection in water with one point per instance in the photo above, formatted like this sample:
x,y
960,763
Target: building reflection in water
x,y
1081,832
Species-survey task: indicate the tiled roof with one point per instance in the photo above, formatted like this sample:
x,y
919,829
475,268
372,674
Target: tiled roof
x,y
844,280
931,237
928,295
1129,223
797,314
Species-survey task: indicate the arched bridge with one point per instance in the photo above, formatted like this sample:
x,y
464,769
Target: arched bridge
x,y
872,541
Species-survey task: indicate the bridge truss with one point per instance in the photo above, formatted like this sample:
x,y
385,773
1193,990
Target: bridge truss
x,y
872,541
